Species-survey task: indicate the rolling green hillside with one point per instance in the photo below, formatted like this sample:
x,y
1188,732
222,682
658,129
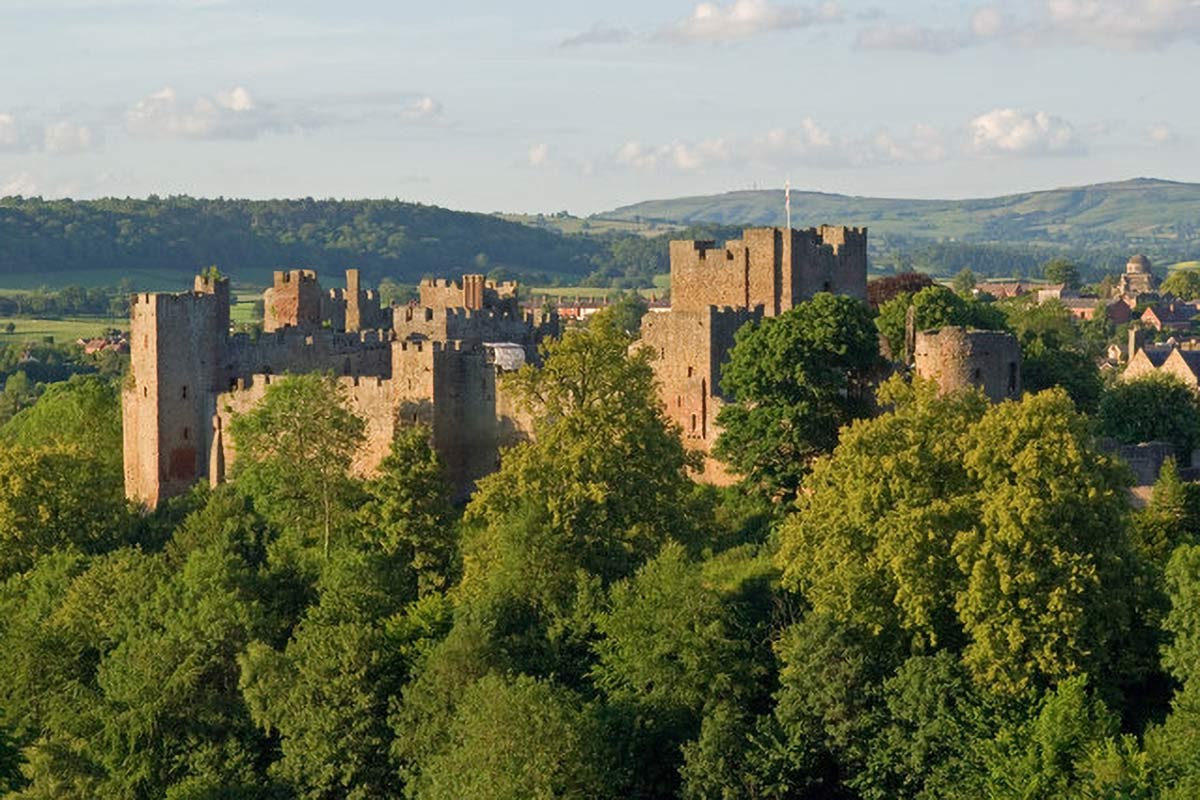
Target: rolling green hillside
x,y
1109,213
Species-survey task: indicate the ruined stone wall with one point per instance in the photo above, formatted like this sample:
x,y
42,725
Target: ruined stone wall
x,y
189,377
294,350
369,398
690,348
957,359
847,261
527,328
177,354
446,386
703,275
475,293
769,267
294,299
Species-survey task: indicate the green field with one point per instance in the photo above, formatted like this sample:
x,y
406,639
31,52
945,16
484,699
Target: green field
x,y
1184,265
63,330
242,309
593,226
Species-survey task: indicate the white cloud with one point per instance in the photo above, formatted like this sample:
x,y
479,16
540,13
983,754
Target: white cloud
x,y
1161,134
1123,24
1001,132
913,38
1011,131
741,19
538,155
1127,24
985,23
599,33
230,114
67,137
21,184
424,108
10,134
808,143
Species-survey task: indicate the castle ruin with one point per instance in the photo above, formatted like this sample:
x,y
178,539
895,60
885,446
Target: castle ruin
x,y
435,363
957,358
716,290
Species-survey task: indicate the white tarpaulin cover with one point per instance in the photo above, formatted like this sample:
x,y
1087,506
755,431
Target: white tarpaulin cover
x,y
507,356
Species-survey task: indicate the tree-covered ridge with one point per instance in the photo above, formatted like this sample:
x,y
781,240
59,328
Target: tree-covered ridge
x,y
247,237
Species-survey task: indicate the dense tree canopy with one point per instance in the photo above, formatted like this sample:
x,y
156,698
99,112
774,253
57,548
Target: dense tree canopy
x,y
959,601
1152,408
794,380
1183,283
932,307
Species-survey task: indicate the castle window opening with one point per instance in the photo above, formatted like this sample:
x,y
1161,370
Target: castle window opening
x,y
1012,378
183,393
145,391
185,433
690,370
827,286
693,423
976,376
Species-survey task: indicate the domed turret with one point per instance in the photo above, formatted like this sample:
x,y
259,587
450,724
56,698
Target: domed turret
x,y
1138,265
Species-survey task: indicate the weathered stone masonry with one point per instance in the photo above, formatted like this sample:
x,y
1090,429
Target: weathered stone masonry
x,y
716,290
430,365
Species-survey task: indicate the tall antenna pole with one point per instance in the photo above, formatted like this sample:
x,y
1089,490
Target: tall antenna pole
x,y
787,201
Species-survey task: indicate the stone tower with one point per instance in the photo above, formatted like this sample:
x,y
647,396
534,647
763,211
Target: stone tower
x,y
958,359
717,290
177,356
293,301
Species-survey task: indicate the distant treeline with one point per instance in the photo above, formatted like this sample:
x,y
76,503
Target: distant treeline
x,y
408,241
945,259
381,237
68,301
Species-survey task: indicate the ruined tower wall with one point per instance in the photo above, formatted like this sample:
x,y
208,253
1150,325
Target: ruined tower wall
x,y
369,398
770,267
177,353
475,292
295,299
958,359
294,350
690,348
767,258
703,275
412,322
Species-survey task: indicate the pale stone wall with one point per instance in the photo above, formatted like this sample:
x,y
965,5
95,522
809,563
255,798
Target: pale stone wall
x,y
769,267
189,377
958,359
690,348
177,353
295,299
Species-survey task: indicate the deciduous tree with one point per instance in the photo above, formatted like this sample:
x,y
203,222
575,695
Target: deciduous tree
x,y
794,381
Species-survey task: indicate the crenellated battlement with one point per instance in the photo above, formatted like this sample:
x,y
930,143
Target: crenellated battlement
x,y
406,365
294,276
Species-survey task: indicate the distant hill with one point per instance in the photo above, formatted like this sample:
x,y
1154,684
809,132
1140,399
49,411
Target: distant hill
x,y
247,239
1140,210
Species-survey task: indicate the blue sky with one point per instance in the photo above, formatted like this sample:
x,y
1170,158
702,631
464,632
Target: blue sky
x,y
541,106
